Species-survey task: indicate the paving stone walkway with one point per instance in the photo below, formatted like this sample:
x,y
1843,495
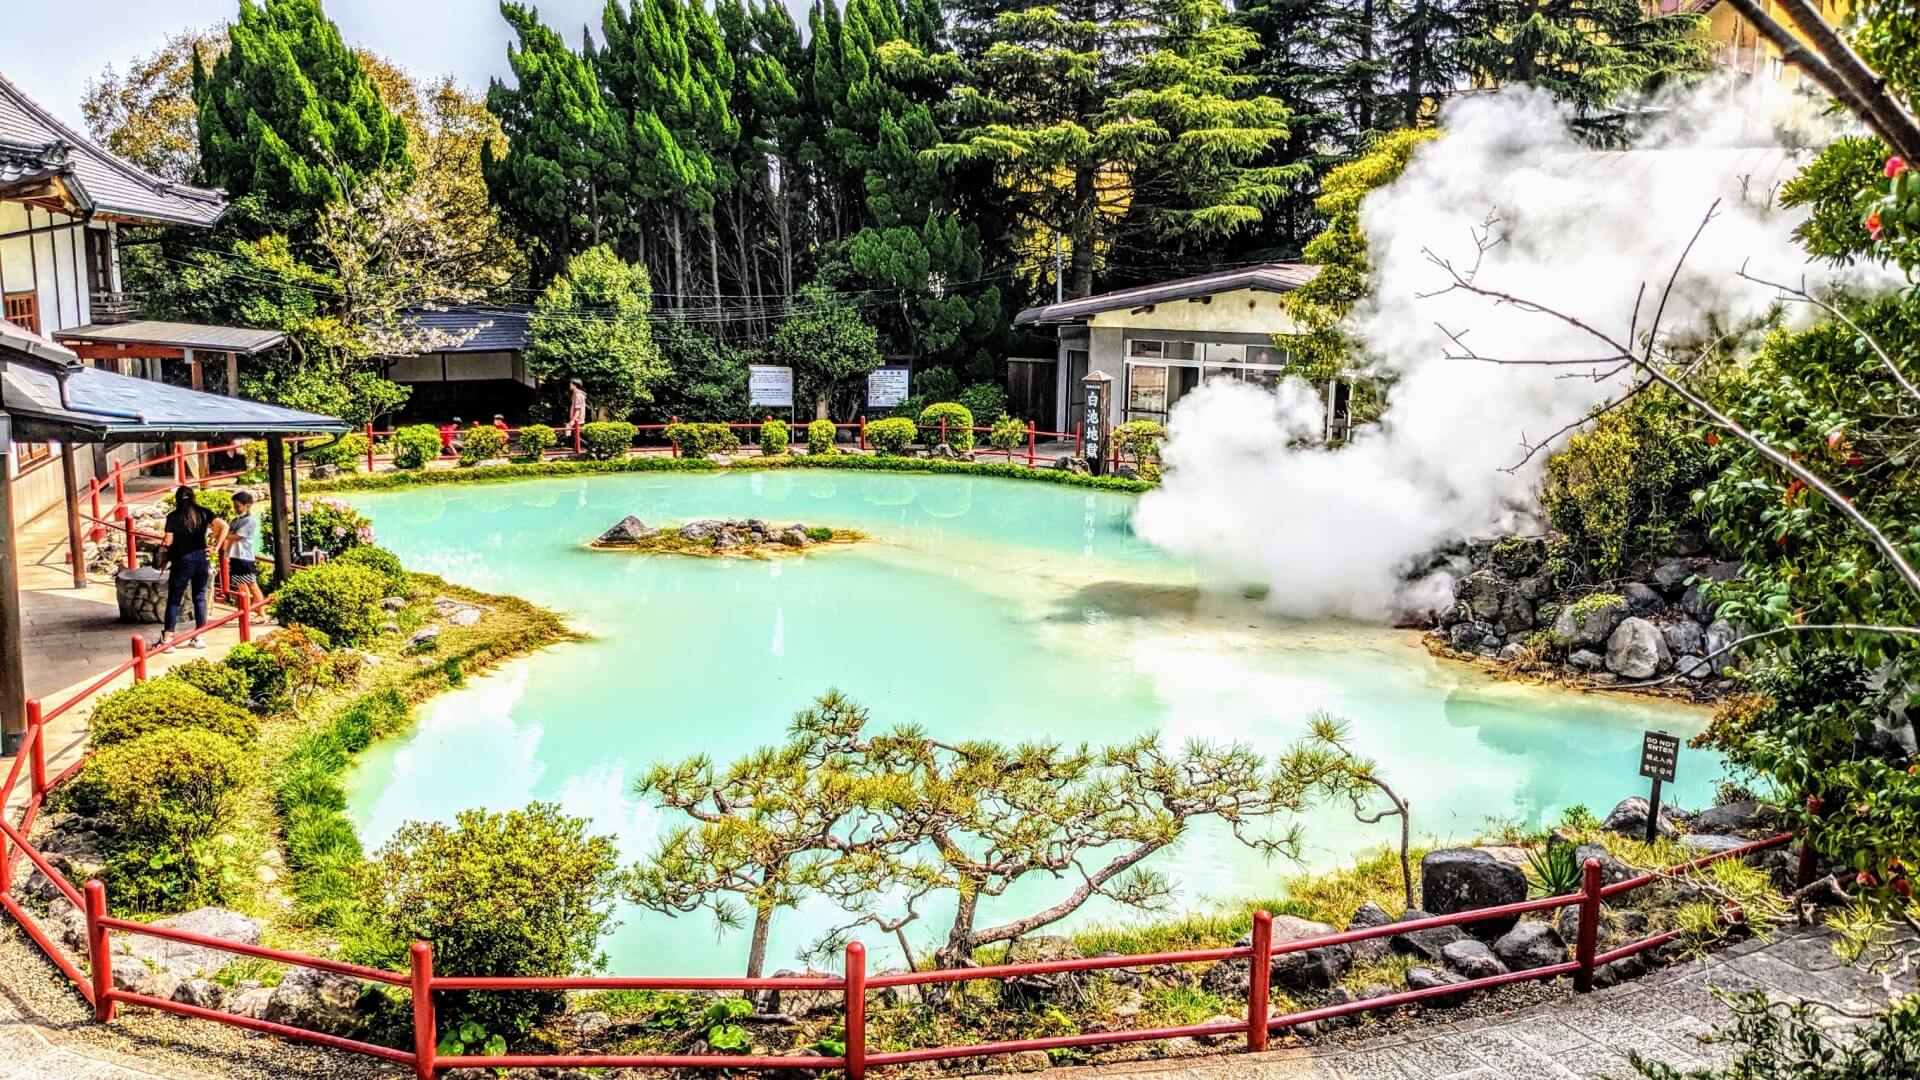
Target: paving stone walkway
x,y
1662,1015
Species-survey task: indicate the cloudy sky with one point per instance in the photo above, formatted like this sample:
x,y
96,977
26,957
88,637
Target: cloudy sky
x,y
50,50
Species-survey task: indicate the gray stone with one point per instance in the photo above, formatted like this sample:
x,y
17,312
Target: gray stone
x,y
1425,944
466,616
1480,593
1221,1038
1370,950
590,1023
1727,819
135,978
1617,925
1612,870
799,1004
1055,987
1636,650
1467,635
394,604
1586,660
183,960
203,993
1629,818
251,1002
1891,738
1426,978
1530,944
794,536
1684,638
316,1000
1312,969
1473,959
1692,668
726,539
1589,621
425,639
1720,634
628,530
1462,879
1720,571
1642,599
1672,575
1511,652
704,529
1695,603
1710,844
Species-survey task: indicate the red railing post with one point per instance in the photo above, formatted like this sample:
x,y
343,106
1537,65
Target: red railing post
x,y
856,1033
1809,858
139,658
675,443
1076,438
133,555
1583,947
93,498
37,734
1032,438
426,1035
179,463
246,618
369,446
119,489
1259,976
943,431
576,438
226,586
99,956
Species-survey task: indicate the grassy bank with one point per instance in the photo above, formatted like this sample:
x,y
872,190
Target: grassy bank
x,y
481,474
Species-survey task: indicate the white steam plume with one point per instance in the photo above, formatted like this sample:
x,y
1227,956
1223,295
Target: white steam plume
x,y
1335,532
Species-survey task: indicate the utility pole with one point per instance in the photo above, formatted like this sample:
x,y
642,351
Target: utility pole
x,y
1059,270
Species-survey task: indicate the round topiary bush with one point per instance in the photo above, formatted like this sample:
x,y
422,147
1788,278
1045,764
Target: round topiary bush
x,y
349,453
892,435
340,600
820,437
774,438
218,681
1007,435
393,577
699,440
415,445
534,440
959,424
166,704
285,664
607,439
482,442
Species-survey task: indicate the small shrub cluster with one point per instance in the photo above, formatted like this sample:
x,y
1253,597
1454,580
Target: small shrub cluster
x,y
892,435
521,893
347,453
983,400
533,442
820,437
1620,492
959,424
166,703
339,599
218,681
216,501
1007,434
774,438
607,439
482,442
288,664
331,526
415,445
699,440
384,563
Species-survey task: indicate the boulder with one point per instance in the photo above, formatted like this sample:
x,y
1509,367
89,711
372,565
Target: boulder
x,y
799,1004
1711,844
466,616
1480,594
393,604
250,1002
1684,638
794,536
1691,668
1511,653
1720,634
1055,987
1586,660
1612,870
1530,944
1695,603
1516,613
725,539
1462,879
1636,650
628,530
183,960
1671,576
1518,556
316,1000
1629,818
1642,599
203,993
1219,1038
1617,925
1468,635
1371,950
150,982
425,639
1425,944
704,529
1426,978
1892,738
1472,958
1728,819
1590,620
1313,969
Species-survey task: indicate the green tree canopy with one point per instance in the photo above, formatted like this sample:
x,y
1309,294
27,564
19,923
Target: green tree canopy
x,y
1586,52
592,324
828,346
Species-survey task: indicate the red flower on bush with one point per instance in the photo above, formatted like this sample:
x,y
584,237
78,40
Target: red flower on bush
x,y
1896,165
1873,224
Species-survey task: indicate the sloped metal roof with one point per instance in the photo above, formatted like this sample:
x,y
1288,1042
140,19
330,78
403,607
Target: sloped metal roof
x,y
495,327
1265,277
176,335
111,186
18,342
104,407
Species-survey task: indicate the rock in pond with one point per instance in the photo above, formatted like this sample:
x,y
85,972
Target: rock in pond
x,y
628,530
1629,818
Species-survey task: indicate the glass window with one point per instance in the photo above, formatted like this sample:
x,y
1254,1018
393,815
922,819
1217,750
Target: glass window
x,y
1145,347
1146,391
1265,354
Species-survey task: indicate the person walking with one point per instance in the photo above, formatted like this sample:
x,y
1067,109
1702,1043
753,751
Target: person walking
x,y
185,544
576,407
243,571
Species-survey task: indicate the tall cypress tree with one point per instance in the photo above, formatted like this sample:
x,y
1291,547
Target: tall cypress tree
x,y
564,180
286,113
1585,52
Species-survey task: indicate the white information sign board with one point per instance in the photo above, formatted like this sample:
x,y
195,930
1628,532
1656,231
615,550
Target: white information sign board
x,y
770,385
886,387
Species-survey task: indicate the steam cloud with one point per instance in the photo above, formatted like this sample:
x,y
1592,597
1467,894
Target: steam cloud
x,y
1335,532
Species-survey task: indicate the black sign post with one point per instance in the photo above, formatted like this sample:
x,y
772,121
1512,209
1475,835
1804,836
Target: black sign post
x,y
1659,752
1098,423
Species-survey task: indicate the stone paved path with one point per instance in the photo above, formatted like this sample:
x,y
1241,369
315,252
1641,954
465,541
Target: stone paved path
x,y
1662,1016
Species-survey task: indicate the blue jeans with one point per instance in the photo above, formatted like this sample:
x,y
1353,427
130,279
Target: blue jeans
x,y
190,570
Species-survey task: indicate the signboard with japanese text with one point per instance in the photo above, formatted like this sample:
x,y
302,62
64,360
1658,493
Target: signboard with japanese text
x,y
887,386
770,385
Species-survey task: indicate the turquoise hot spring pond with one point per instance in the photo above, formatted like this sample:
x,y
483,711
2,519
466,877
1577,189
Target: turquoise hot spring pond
x,y
980,608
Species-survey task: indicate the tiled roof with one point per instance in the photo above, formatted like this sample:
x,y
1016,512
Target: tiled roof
x,y
1266,277
236,339
495,327
111,186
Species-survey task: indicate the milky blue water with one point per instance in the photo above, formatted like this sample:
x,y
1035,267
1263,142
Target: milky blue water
x,y
980,608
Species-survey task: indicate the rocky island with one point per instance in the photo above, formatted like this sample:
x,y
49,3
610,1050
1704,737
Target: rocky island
x,y
740,538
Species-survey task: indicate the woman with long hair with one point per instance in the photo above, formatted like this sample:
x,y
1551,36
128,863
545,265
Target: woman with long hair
x,y
186,546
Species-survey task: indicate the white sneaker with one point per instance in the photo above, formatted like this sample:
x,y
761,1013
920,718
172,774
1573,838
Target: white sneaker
x,y
195,643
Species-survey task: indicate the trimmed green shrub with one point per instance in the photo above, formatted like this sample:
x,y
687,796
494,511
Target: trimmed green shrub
x,y
255,453
348,453
699,440
332,526
166,704
482,442
774,438
892,435
1139,440
959,433
393,576
340,600
218,681
607,439
521,893
415,445
983,400
1007,434
820,437
533,441
166,797
216,501
285,665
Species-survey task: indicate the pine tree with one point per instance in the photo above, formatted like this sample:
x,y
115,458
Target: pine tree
x,y
1585,52
564,179
287,114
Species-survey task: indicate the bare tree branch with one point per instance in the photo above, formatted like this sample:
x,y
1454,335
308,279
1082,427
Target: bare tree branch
x,y
1802,295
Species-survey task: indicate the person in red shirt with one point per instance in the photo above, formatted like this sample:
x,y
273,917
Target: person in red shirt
x,y
448,435
500,422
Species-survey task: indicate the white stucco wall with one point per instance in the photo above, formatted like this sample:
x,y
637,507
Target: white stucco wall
x,y
1244,311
